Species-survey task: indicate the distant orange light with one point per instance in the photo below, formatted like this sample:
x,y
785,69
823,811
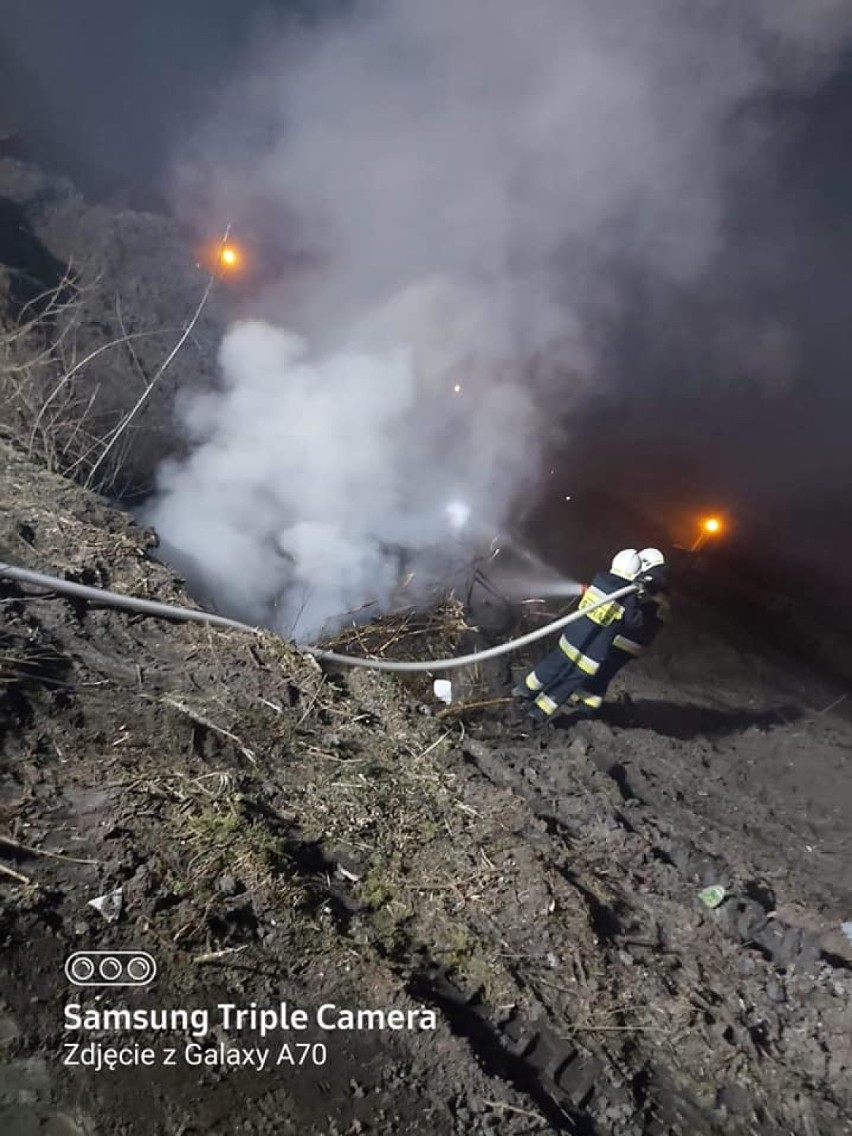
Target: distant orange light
x,y
709,527
224,259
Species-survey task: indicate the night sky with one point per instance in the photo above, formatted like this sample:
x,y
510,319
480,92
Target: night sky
x,y
104,92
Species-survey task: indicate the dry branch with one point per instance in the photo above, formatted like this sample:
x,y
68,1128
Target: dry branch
x,y
7,840
161,370
428,633
201,720
19,876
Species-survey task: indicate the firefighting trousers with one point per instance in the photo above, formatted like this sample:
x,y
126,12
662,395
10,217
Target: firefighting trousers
x,y
557,679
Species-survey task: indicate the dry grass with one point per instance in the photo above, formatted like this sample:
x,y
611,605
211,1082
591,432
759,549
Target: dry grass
x,y
51,407
440,632
28,661
345,767
209,818
408,634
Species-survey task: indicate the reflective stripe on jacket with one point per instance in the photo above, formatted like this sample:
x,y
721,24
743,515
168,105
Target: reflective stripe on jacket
x,y
588,641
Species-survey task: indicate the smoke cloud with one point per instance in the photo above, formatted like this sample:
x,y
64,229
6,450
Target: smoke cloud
x,y
315,481
452,192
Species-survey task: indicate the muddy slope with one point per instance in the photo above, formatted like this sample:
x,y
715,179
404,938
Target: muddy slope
x,y
280,835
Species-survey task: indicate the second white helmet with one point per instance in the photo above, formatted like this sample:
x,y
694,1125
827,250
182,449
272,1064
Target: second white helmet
x,y
626,564
650,558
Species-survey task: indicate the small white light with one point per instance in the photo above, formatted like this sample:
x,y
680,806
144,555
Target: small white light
x,y
567,498
459,514
457,388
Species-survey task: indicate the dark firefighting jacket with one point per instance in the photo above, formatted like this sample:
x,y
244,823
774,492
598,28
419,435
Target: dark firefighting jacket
x,y
653,615
630,643
589,641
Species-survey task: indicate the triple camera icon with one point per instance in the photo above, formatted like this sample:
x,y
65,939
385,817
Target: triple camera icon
x,y
110,968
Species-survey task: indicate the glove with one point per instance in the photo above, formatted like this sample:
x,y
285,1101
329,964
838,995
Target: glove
x,y
649,586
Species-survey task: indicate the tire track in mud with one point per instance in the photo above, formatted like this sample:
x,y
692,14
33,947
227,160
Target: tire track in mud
x,y
550,1072
747,917
563,1079
546,1065
747,914
554,1073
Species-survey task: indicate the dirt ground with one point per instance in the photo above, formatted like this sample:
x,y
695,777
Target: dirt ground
x,y
282,835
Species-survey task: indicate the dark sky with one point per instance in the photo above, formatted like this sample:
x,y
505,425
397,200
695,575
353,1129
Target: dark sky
x,y
104,90
773,437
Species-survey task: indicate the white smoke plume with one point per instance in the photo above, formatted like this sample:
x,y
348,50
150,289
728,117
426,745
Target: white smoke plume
x,y
460,179
316,480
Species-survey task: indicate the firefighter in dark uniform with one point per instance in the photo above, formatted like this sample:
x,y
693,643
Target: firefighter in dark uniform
x,y
654,608
574,670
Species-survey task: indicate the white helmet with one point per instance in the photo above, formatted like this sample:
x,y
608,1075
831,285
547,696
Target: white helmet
x,y
626,564
650,558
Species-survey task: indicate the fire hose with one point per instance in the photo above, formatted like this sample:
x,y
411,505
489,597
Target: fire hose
x,y
192,615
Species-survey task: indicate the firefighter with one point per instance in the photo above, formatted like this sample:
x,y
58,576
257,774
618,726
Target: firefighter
x,y
653,600
575,668
653,613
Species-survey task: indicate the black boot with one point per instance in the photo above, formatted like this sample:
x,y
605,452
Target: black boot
x,y
536,717
523,693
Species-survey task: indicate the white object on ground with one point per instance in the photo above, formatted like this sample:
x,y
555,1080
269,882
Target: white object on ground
x,y
442,688
846,928
109,905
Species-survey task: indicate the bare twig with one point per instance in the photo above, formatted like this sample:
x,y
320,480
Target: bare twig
x,y
311,704
7,840
514,1108
137,363
208,725
19,876
833,705
434,744
579,1027
69,375
448,711
217,956
161,370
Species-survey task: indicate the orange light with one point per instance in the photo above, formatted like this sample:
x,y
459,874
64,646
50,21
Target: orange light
x,y
709,527
228,259
229,256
